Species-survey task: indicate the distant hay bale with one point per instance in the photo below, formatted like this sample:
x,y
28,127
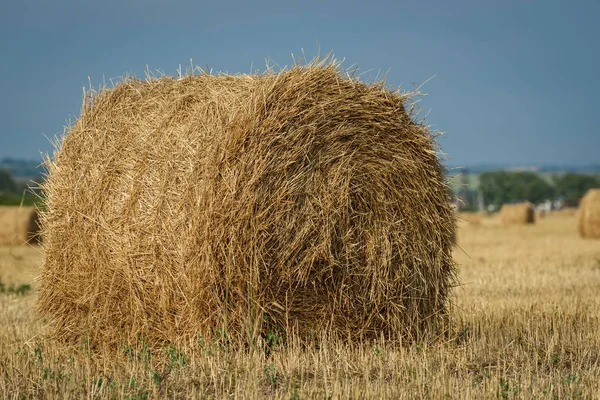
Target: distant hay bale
x,y
465,219
517,214
18,226
589,214
470,217
301,201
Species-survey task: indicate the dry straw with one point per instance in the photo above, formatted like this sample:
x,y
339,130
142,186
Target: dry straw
x,y
302,201
18,226
589,214
517,214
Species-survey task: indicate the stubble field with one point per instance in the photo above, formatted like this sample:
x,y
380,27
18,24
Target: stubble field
x,y
525,324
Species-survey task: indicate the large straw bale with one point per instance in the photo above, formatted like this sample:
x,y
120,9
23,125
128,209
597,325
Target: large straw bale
x,y
589,214
517,214
301,201
18,225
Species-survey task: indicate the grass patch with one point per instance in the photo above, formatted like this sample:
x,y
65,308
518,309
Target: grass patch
x,y
19,290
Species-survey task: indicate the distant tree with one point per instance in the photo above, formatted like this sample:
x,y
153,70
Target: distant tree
x,y
7,184
532,187
499,187
495,187
574,186
467,199
14,194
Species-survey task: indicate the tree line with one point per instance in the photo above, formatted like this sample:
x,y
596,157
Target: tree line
x,y
499,187
14,193
496,188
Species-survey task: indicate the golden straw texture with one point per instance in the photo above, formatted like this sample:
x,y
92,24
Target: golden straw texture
x,y
301,201
589,214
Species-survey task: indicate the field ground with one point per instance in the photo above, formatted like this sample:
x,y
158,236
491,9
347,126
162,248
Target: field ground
x,y
526,324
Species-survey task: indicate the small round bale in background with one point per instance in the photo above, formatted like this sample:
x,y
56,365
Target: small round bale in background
x,y
517,214
470,217
300,202
589,214
18,226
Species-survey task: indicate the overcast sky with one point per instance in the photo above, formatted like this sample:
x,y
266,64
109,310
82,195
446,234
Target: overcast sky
x,y
516,82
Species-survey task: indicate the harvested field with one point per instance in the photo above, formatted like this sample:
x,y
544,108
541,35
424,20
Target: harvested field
x,y
525,326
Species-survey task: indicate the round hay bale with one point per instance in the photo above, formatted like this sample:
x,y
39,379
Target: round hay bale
x,y
589,214
470,217
18,226
517,214
301,201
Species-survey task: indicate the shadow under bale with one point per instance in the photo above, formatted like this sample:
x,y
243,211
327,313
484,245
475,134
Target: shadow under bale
x,y
302,202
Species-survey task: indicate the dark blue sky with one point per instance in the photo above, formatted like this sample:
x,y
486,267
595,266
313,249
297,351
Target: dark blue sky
x,y
517,82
